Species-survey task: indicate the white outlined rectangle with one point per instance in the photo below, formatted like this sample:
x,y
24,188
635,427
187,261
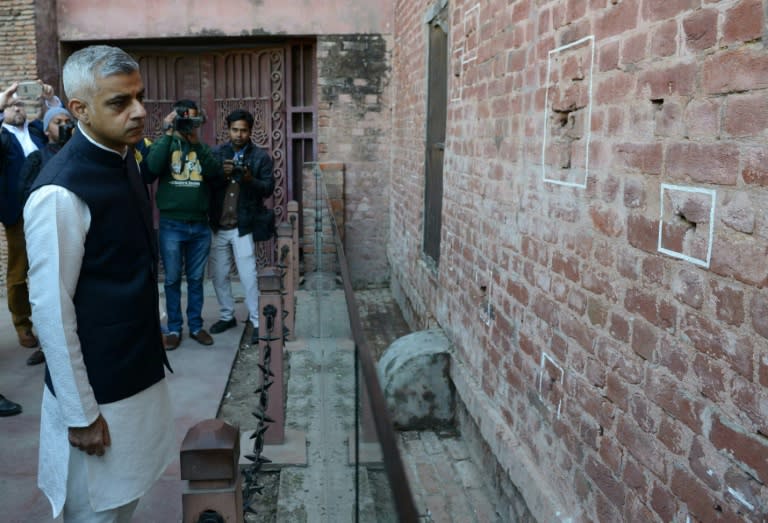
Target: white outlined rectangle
x,y
587,121
703,262
457,76
471,33
465,53
547,358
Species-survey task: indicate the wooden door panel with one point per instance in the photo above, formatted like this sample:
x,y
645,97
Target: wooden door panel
x,y
222,81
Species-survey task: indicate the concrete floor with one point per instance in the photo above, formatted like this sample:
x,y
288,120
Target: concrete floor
x,y
446,485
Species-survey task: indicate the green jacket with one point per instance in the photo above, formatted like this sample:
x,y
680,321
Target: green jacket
x,y
182,169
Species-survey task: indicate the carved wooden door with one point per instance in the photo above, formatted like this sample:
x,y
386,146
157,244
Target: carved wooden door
x,y
220,82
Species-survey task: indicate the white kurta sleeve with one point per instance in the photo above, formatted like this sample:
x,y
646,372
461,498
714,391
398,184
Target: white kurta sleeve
x,y
56,222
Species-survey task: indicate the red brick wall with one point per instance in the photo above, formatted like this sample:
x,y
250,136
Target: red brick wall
x,y
354,126
637,382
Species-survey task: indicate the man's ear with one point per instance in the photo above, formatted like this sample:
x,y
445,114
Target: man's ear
x,y
79,109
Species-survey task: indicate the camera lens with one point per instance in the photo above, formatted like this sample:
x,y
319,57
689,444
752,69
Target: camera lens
x,y
210,516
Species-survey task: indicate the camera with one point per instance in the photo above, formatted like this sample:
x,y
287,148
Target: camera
x,y
185,123
238,168
65,132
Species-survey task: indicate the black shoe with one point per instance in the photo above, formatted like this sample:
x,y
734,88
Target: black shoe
x,y
222,325
255,335
36,358
8,408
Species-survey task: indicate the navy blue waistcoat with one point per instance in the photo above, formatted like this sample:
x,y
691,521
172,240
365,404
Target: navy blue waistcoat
x,y
116,299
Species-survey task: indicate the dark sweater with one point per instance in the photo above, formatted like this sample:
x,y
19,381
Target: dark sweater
x,y
116,299
11,161
182,169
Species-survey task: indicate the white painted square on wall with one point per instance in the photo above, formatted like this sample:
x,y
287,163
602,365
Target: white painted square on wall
x,y
568,113
687,223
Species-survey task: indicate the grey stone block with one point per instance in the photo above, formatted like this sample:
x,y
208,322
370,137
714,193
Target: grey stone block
x,y
415,377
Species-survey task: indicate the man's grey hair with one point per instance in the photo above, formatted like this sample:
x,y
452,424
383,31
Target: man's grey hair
x,y
85,66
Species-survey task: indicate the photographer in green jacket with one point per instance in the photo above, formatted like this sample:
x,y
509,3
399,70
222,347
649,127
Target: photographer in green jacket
x,y
183,165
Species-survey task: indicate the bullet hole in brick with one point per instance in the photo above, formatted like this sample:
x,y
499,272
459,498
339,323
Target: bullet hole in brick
x,y
685,222
561,117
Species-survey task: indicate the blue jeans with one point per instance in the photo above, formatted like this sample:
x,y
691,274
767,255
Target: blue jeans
x,y
184,245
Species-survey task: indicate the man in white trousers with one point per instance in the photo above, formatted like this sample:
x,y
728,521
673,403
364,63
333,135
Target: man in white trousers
x,y
239,218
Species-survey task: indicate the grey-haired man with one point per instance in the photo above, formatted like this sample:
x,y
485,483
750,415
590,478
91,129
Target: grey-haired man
x,y
106,429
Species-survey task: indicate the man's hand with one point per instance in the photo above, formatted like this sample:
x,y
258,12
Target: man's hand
x,y
168,122
47,91
92,439
7,96
228,166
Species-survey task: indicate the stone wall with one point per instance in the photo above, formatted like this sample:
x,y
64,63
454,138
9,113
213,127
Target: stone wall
x,y
604,247
354,124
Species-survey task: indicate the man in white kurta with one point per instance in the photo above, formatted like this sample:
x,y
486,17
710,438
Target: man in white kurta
x,y
89,479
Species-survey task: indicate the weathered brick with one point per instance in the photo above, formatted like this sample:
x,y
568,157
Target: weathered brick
x,y
617,19
746,114
729,302
645,158
703,463
745,492
670,433
712,340
750,450
654,10
712,377
752,401
675,80
644,339
701,502
706,163
739,213
644,447
758,307
664,39
663,503
702,118
642,233
605,481
674,400
743,22
735,70
634,476
619,327
745,259
643,413
755,171
568,266
606,221
700,29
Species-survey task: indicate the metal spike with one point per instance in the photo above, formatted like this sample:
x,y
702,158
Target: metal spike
x,y
265,370
263,388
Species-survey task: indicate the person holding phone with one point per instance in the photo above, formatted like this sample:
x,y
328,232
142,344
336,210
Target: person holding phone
x,y
18,139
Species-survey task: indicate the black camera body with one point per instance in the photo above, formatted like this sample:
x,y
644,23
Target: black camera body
x,y
185,123
65,132
238,168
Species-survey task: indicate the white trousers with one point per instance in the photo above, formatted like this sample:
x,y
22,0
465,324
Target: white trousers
x,y
225,246
77,507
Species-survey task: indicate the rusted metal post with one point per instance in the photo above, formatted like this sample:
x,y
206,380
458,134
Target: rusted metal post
x,y
271,348
209,462
293,219
285,259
